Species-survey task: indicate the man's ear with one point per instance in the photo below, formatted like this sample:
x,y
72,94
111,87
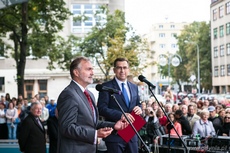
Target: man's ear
x,y
76,72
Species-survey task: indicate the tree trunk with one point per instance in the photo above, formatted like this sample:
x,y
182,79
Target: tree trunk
x,y
23,46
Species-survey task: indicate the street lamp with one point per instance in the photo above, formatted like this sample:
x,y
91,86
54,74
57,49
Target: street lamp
x,y
173,59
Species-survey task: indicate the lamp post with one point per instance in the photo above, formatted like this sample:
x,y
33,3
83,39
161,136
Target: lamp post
x,y
173,59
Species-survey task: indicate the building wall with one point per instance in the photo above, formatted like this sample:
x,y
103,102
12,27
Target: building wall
x,y
220,77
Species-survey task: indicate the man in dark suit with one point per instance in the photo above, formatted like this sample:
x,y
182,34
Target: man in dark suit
x,y
32,134
78,116
129,101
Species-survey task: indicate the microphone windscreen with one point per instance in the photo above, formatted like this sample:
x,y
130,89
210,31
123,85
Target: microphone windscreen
x,y
141,78
99,87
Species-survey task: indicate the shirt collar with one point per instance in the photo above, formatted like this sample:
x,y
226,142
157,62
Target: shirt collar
x,y
82,88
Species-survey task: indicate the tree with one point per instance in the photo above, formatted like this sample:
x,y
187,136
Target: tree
x,y
197,33
109,40
33,25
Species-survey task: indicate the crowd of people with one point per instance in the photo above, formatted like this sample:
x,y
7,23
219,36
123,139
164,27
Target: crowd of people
x,y
192,117
72,123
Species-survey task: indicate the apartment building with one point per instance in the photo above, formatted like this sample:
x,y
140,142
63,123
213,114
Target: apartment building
x,y
40,80
220,46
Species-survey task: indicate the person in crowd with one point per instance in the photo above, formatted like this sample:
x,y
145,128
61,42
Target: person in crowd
x,y
143,107
222,114
225,129
168,100
19,118
186,129
51,107
11,116
192,116
206,104
78,124
215,119
218,108
161,117
52,130
185,101
7,97
168,108
47,99
3,126
177,125
168,93
32,134
155,106
129,101
45,113
4,101
184,109
175,107
203,126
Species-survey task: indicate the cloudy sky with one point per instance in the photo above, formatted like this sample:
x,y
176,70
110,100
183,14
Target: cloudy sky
x,y
143,13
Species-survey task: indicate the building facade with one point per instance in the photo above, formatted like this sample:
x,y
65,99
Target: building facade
x,y
40,80
220,46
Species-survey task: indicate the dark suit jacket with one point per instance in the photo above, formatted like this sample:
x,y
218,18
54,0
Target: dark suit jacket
x,y
32,136
52,129
109,109
76,124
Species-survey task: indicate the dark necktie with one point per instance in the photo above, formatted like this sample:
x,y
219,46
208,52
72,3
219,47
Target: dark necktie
x,y
89,100
125,94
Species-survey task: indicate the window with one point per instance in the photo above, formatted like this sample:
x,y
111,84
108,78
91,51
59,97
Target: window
x,y
162,45
227,28
42,87
215,52
221,11
216,71
221,50
228,48
222,70
173,45
161,35
172,26
2,84
173,35
161,26
228,69
227,5
214,14
221,31
215,33
29,88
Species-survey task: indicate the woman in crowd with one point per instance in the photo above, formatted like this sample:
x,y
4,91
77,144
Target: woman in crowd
x,y
161,117
176,124
11,115
225,130
3,127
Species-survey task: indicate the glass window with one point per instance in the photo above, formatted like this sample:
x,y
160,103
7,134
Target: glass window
x,y
221,50
42,84
29,88
214,14
215,52
172,26
88,6
228,48
76,6
222,70
227,28
221,31
161,26
173,34
216,71
162,46
228,69
227,7
77,23
221,11
161,35
215,33
2,84
173,45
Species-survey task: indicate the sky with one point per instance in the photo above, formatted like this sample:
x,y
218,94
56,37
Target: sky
x,y
141,14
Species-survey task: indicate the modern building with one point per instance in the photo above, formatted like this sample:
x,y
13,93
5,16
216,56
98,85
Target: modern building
x,y
220,46
40,80
162,42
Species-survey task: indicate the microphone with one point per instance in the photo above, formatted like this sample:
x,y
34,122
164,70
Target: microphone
x,y
143,79
100,87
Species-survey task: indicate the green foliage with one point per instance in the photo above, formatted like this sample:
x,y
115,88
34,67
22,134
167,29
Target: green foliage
x,y
197,33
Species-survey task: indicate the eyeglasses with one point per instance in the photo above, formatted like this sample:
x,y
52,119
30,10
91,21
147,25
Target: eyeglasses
x,y
227,117
120,68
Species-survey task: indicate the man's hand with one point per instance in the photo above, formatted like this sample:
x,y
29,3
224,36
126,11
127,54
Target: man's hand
x,y
137,110
121,124
129,116
104,132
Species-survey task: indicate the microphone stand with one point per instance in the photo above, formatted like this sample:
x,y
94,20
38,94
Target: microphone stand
x,y
170,122
123,112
